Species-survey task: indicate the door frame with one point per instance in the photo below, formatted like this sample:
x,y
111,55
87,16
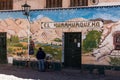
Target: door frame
x,y
79,47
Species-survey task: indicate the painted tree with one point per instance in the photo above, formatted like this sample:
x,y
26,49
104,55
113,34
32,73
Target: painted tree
x,y
91,41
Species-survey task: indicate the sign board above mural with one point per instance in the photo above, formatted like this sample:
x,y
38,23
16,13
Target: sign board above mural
x,y
46,25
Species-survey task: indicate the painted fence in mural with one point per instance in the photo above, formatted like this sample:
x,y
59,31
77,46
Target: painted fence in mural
x,y
100,27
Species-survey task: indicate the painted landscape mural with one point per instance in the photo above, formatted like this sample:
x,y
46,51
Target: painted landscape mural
x,y
100,41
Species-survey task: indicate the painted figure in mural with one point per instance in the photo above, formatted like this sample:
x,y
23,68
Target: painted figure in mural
x,y
31,47
41,59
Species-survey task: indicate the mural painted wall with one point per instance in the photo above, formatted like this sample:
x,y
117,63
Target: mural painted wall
x,y
100,44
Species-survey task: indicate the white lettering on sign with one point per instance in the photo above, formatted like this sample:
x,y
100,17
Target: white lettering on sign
x,y
71,24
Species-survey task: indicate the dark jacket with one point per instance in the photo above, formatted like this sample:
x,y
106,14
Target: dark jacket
x,y
40,55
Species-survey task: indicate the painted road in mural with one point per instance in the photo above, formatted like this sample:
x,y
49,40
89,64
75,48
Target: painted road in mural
x,y
100,44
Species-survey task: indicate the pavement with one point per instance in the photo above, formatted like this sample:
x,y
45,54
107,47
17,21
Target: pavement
x,y
64,74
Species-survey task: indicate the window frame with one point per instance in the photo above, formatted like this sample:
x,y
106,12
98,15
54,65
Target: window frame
x,y
6,4
53,3
76,3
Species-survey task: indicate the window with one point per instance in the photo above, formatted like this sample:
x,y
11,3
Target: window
x,y
6,4
74,3
53,3
116,40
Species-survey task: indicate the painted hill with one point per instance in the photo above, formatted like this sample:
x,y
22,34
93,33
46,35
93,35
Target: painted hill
x,y
19,27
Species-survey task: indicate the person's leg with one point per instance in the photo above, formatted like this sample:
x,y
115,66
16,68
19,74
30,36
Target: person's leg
x,y
39,65
42,65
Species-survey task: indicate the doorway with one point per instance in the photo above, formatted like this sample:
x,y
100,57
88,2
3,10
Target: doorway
x,y
3,47
72,49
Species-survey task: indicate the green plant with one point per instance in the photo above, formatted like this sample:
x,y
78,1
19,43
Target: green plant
x,y
14,39
24,47
18,45
115,61
57,40
25,40
91,41
9,50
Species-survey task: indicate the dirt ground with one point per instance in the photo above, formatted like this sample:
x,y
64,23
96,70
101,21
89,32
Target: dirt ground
x,y
64,74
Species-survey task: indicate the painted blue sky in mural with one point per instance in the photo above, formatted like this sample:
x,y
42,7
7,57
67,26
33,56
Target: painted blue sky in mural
x,y
58,15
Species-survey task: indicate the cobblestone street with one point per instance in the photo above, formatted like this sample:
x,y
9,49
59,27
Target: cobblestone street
x,y
64,74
